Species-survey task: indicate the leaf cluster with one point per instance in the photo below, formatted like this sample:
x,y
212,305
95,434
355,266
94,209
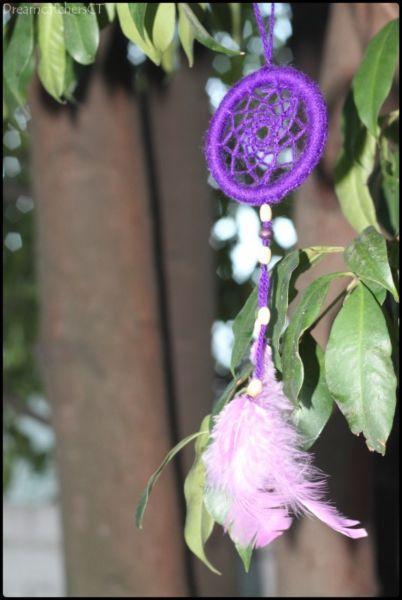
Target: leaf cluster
x,y
58,39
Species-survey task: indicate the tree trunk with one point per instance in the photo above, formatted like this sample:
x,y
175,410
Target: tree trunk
x,y
313,560
101,339
179,119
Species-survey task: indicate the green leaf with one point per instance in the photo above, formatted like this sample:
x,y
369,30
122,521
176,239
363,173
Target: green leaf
x,y
217,503
353,169
17,56
168,61
231,389
393,257
243,326
315,401
186,36
130,30
305,314
279,302
81,32
353,193
367,257
11,103
199,523
111,10
70,81
359,369
372,83
164,25
390,186
52,62
137,11
358,142
202,35
245,554
142,504
389,161
377,290
284,274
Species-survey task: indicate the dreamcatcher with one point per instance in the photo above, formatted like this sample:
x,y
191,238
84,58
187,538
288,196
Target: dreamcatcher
x,y
264,140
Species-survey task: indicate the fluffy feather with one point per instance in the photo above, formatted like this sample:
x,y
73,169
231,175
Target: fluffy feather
x,y
255,462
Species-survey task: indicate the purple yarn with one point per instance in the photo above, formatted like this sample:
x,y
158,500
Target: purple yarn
x,y
264,283
267,42
263,286
267,135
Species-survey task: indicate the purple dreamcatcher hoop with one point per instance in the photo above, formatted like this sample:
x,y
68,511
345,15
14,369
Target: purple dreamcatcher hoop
x,y
268,133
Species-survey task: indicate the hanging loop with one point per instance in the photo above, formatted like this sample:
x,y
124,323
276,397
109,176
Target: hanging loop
x,y
267,39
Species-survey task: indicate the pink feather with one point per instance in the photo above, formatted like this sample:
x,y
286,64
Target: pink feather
x,y
256,465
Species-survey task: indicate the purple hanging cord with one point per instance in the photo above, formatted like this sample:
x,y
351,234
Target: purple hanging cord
x,y
267,40
264,282
264,285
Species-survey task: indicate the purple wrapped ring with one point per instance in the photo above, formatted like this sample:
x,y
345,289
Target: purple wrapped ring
x,y
267,135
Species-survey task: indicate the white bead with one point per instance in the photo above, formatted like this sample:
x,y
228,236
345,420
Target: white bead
x,y
264,315
254,387
264,255
265,213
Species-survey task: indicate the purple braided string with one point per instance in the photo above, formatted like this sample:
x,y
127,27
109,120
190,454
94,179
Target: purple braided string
x,y
264,286
267,40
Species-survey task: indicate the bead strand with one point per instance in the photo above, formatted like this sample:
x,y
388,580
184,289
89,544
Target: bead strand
x,y
264,314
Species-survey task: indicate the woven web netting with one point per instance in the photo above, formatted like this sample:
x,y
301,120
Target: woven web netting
x,y
265,135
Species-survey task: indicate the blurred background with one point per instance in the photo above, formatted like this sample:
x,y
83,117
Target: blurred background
x,y
124,268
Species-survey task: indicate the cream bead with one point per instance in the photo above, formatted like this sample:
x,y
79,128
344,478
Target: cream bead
x,y
254,387
264,255
265,213
264,315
